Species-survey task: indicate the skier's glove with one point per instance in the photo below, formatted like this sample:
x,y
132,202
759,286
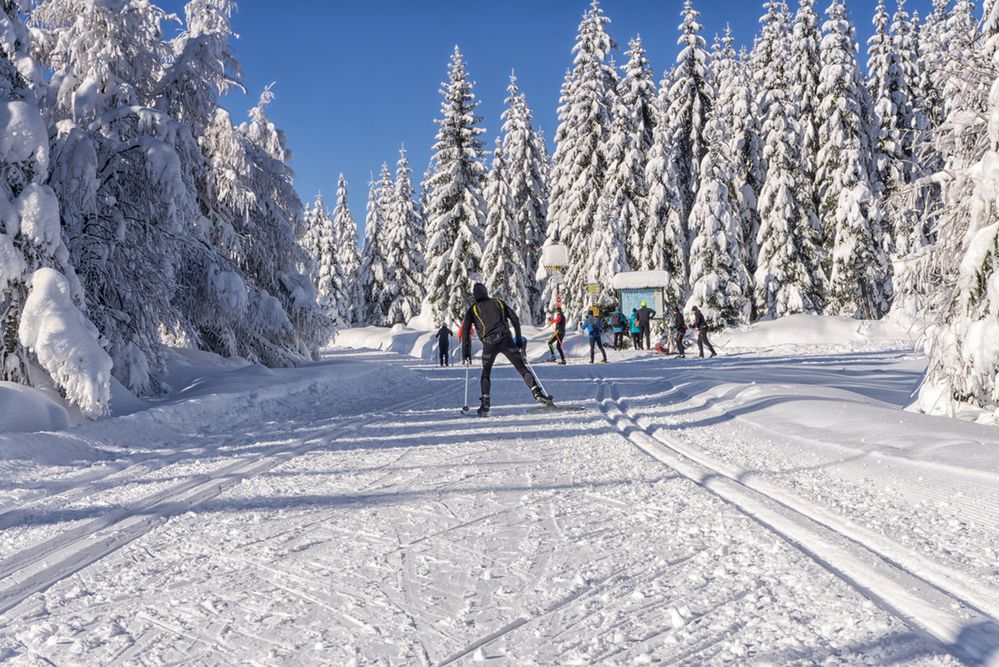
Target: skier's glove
x,y
521,342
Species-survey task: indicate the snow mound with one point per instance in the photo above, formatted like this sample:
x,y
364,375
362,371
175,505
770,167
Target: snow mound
x,y
27,410
818,330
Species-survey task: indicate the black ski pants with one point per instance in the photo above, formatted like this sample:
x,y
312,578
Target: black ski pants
x,y
647,335
553,342
702,340
595,342
618,340
679,344
636,338
445,355
505,347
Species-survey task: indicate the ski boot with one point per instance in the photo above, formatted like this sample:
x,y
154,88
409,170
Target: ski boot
x,y
483,410
561,362
541,398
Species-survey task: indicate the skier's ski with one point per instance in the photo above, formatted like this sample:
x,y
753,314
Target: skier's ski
x,y
554,408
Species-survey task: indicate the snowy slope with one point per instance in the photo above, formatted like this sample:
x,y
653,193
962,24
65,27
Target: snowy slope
x,y
758,508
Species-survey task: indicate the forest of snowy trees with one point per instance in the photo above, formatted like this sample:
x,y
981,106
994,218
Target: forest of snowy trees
x,y
793,177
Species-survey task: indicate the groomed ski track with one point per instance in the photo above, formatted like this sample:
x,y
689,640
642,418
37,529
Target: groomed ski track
x,y
615,535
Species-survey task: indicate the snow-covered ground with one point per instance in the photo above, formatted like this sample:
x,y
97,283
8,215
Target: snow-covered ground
x,y
774,505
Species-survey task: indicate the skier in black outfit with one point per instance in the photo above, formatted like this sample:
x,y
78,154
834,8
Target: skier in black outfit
x,y
558,321
490,317
645,315
444,345
701,325
679,328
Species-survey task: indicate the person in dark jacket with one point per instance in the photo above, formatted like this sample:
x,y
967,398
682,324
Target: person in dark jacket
x,y
701,326
679,329
618,323
492,320
558,323
645,317
636,329
444,345
595,328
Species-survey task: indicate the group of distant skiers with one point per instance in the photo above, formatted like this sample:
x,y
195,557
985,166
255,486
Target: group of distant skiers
x,y
492,319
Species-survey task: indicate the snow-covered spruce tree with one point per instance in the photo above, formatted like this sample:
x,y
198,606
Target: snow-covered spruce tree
x,y
320,242
375,269
804,73
775,35
736,92
665,244
638,104
455,210
403,239
503,268
850,211
787,279
690,97
607,256
45,338
579,164
527,174
719,282
349,298
934,59
962,345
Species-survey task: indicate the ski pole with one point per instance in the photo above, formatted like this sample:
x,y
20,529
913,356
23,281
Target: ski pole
x,y
523,353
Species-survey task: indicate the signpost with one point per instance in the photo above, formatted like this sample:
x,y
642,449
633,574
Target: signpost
x,y
555,258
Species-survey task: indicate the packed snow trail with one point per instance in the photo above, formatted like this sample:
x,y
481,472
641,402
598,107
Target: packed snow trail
x,y
362,528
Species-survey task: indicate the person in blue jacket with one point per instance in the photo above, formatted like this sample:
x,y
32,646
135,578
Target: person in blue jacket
x,y
636,329
595,328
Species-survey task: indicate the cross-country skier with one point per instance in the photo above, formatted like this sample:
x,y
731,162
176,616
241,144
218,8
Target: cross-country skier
x,y
679,328
558,323
701,325
645,316
444,345
492,319
595,328
636,329
618,323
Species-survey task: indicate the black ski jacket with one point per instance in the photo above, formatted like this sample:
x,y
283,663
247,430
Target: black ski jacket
x,y
644,315
559,322
443,334
678,322
490,317
699,321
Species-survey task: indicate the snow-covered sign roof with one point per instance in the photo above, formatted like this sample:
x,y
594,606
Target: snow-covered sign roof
x,y
639,279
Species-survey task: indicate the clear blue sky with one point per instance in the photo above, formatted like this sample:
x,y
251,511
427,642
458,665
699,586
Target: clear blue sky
x,y
355,80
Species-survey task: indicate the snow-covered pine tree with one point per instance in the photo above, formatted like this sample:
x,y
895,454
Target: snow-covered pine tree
x,y
375,270
962,346
787,279
638,100
736,93
850,210
772,43
665,245
804,73
403,239
503,268
320,242
934,61
579,163
349,297
719,282
607,255
527,174
45,338
690,98
455,210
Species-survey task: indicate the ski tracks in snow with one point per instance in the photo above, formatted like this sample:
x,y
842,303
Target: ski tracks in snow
x,y
932,599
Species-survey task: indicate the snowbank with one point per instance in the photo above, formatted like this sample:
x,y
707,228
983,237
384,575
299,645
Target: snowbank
x,y
817,330
26,410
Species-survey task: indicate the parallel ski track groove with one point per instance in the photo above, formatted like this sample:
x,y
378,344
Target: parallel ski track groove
x,y
925,606
42,565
